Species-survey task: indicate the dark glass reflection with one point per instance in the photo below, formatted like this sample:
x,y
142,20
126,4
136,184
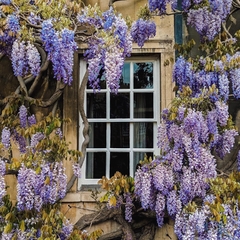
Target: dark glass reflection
x,y
97,135
119,161
120,135
143,105
120,105
96,105
96,165
143,75
143,135
140,156
125,78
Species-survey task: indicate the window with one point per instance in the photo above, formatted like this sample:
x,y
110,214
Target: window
x,y
123,126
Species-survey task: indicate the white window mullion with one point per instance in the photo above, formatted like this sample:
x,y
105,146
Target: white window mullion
x,y
108,129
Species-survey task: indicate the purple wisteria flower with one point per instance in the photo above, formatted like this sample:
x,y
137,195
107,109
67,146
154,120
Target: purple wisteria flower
x,y
35,139
2,167
163,178
128,206
183,73
158,5
63,60
223,85
222,113
33,18
60,47
5,2
206,23
234,75
76,170
34,190
109,18
33,58
59,133
2,187
113,66
32,120
174,204
5,137
18,56
23,116
66,230
20,140
25,188
160,209
142,30
13,23
49,38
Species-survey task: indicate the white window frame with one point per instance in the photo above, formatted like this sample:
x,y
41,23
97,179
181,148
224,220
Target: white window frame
x,y
156,118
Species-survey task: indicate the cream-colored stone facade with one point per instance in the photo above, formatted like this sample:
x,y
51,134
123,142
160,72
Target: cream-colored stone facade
x,y
79,202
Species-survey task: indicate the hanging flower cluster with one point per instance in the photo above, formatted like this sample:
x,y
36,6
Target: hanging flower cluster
x,y
224,78
108,48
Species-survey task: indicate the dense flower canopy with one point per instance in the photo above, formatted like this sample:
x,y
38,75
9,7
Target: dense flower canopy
x,y
41,37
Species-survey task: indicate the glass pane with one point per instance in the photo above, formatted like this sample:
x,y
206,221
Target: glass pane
x,y
97,135
96,165
143,75
120,105
119,135
143,135
139,156
119,161
96,105
143,105
125,78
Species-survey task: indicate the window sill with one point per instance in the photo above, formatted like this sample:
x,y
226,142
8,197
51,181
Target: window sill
x,y
84,195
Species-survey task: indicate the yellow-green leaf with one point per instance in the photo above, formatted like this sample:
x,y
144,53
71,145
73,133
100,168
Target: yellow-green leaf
x,y
112,201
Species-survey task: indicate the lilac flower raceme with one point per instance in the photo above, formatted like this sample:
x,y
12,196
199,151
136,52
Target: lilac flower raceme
x,y
128,207
160,209
32,120
182,73
109,18
5,2
63,60
59,133
66,230
49,38
20,140
18,56
142,30
158,5
13,23
34,190
174,204
107,61
35,138
222,113
2,167
34,59
5,137
33,18
113,68
234,76
25,188
60,48
2,187
23,116
76,170
206,23
223,85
